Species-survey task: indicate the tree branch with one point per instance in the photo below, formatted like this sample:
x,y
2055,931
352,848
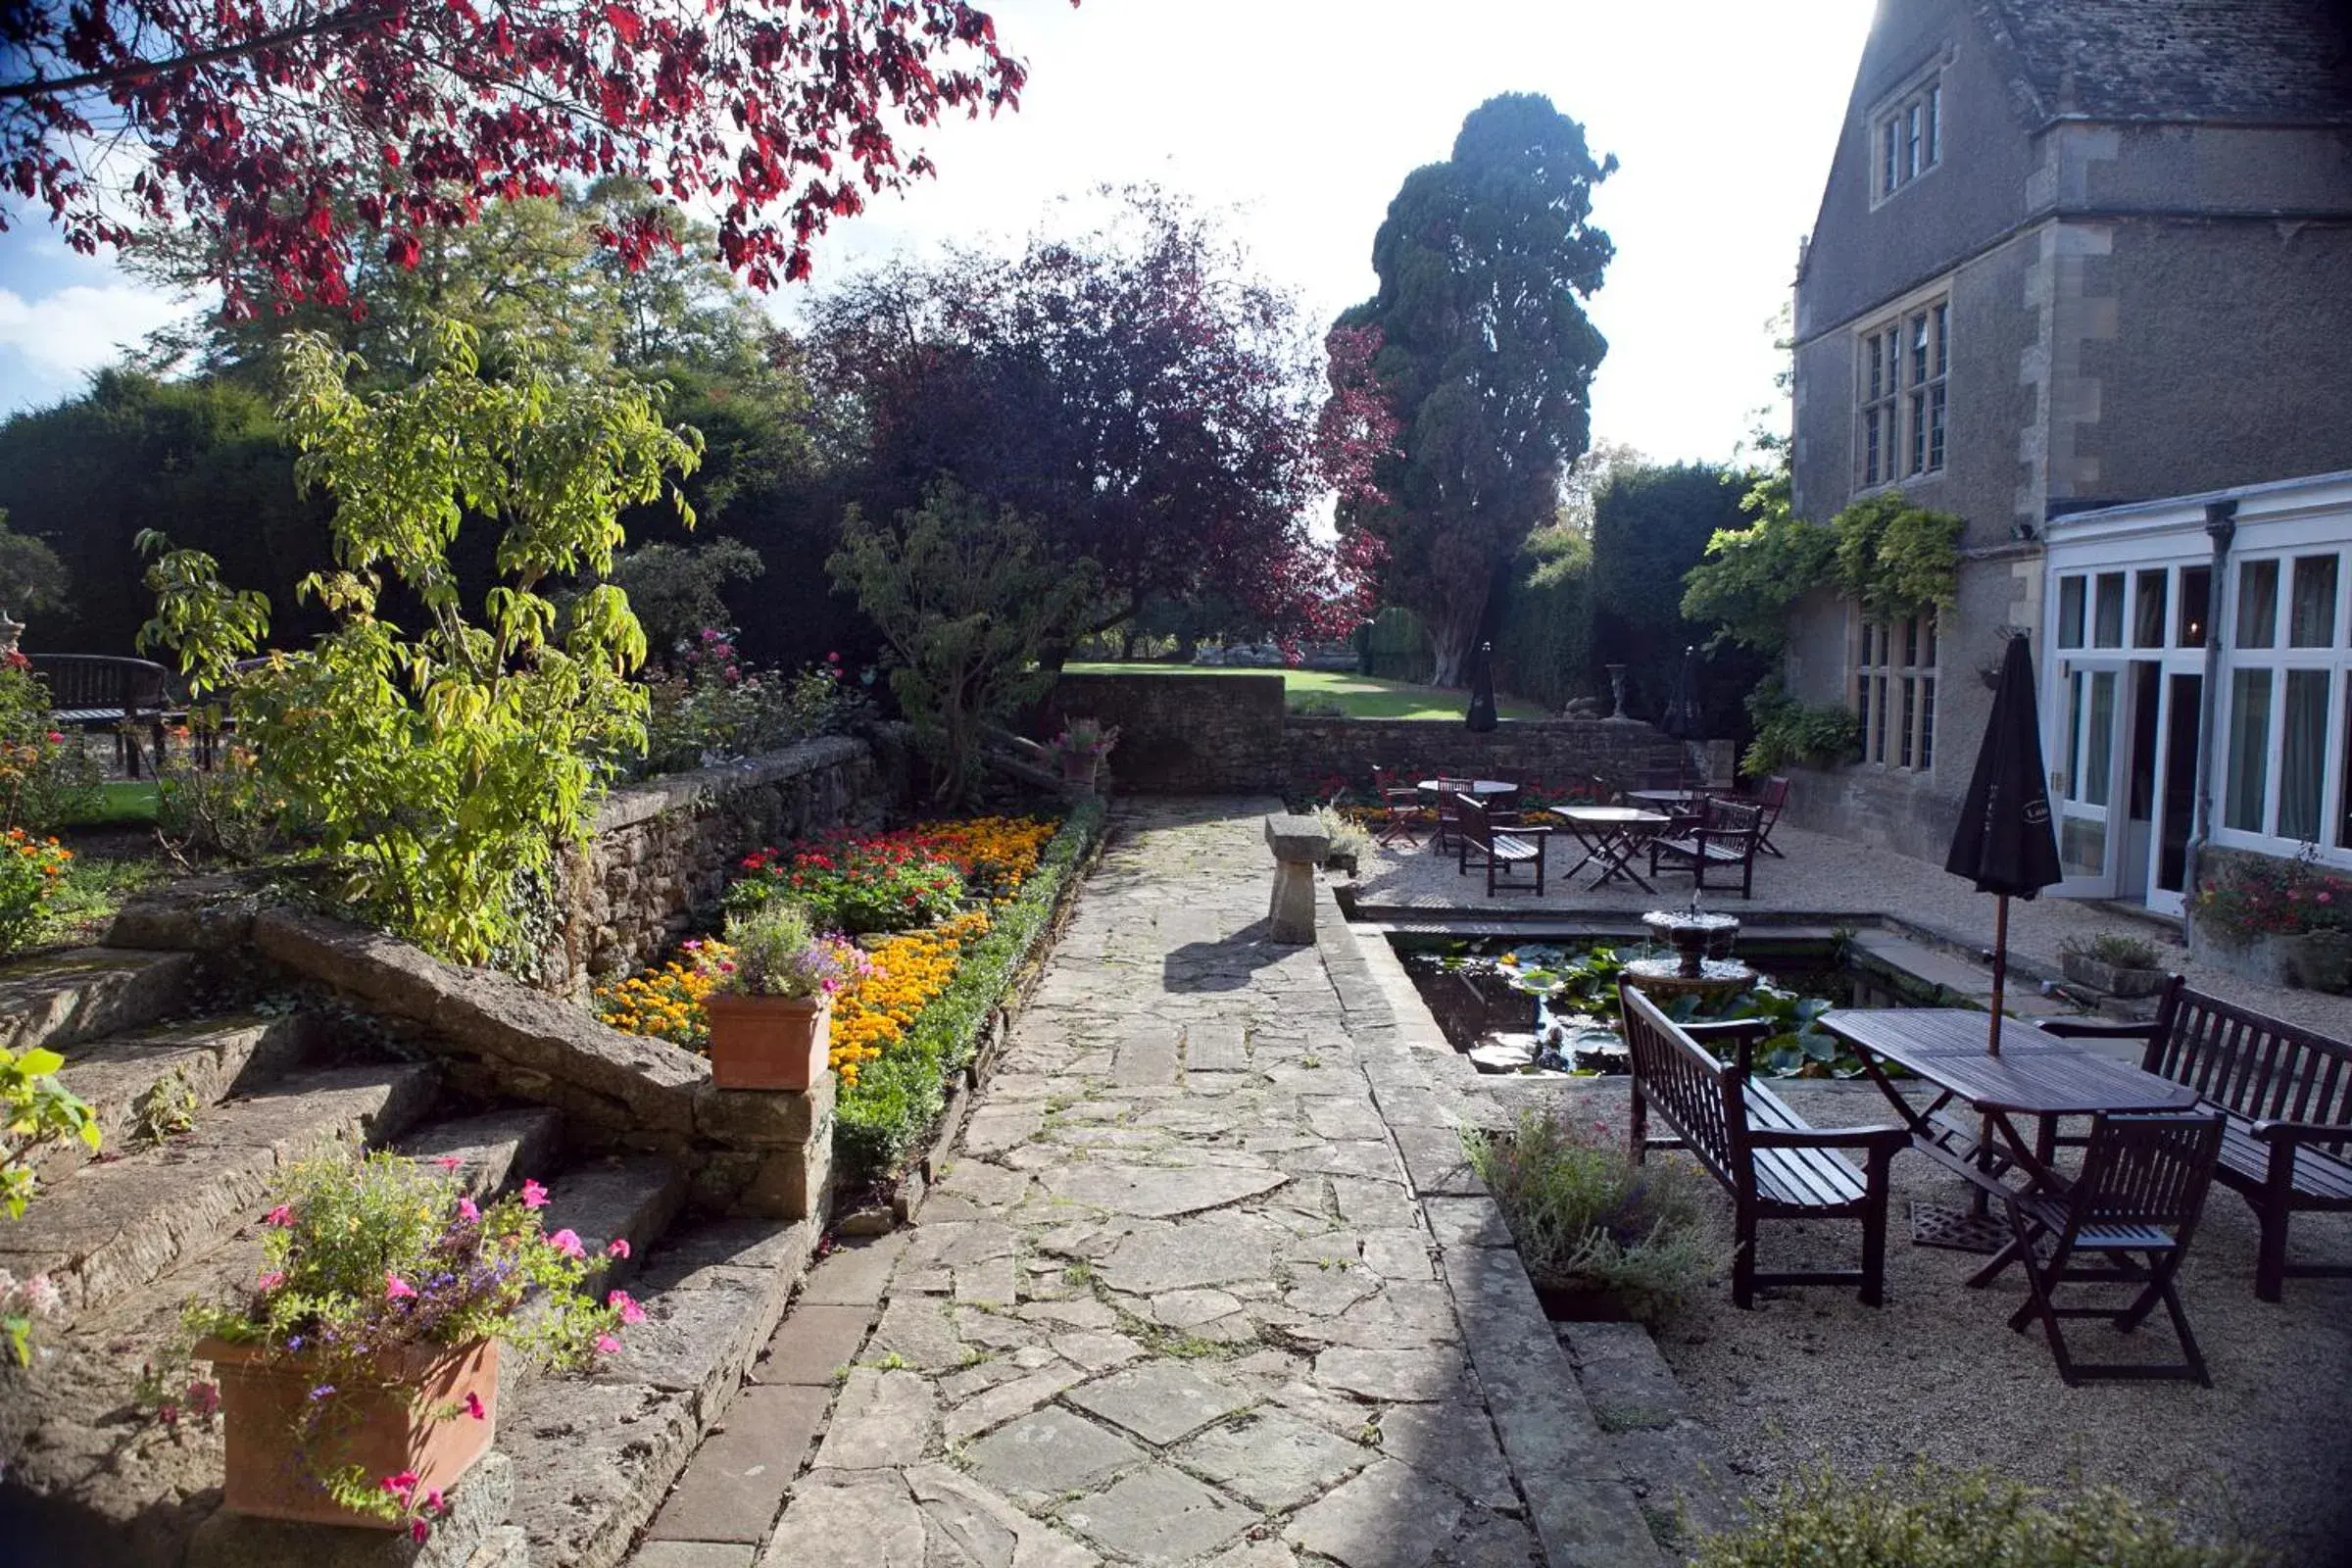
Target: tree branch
x,y
58,86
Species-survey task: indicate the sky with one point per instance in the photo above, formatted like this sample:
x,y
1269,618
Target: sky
x,y
1298,119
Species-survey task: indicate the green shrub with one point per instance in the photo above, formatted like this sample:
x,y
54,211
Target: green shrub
x,y
899,1097
47,777
1348,835
1317,704
1787,731
1586,1217
1970,1519
2119,952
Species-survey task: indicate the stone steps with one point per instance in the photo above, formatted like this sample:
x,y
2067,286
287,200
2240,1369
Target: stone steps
x,y
88,993
113,1226
199,1064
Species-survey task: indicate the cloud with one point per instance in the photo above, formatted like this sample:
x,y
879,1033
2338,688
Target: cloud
x,y
80,329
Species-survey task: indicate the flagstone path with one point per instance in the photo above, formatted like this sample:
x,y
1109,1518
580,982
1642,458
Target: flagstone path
x,y
1205,1281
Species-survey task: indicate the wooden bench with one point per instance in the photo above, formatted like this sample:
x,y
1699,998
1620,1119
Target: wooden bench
x,y
2285,1098
100,691
1774,1164
1725,837
1497,847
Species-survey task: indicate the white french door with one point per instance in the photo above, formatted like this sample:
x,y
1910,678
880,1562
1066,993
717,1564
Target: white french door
x,y
2087,763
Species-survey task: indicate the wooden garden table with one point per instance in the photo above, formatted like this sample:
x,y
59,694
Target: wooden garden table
x,y
1612,835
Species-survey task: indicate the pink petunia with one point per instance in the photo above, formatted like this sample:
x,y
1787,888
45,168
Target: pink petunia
x,y
281,1216
467,1209
474,1406
270,1281
568,1241
448,1162
419,1529
432,1500
618,1247
395,1288
534,1196
607,1345
631,1312
401,1484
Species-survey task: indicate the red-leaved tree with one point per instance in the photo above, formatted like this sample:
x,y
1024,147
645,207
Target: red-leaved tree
x,y
1136,392
246,119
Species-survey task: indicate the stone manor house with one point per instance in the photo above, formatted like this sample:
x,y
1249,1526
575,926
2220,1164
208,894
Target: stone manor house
x,y
2083,275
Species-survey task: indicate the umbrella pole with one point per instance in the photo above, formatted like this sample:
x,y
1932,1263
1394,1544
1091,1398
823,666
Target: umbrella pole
x,y
2000,969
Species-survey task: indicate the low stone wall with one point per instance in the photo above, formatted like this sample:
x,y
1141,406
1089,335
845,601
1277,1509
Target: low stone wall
x,y
1181,734
663,848
1318,751
1185,734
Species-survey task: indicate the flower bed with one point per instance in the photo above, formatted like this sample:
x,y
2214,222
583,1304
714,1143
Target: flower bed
x,y
899,1032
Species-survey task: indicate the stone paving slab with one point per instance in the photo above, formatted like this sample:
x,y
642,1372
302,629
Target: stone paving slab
x,y
1206,1281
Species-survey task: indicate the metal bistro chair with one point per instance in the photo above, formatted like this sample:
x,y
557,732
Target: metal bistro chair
x,y
2139,1195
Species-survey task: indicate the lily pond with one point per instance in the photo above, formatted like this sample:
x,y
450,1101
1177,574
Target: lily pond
x,y
1550,1008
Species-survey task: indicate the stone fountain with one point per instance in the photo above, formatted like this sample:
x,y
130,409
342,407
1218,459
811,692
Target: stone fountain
x,y
1703,963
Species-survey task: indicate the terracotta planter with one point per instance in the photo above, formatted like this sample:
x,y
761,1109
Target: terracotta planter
x,y
1080,770
384,1429
767,1042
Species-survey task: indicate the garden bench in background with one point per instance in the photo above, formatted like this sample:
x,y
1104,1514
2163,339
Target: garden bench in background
x,y
1498,846
2285,1095
1774,1164
93,691
1724,838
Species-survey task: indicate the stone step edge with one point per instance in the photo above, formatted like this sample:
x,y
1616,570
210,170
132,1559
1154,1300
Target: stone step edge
x,y
248,1142
596,1456
88,992
215,1058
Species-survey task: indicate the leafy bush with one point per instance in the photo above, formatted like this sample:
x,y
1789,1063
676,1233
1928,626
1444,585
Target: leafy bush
x,y
442,769
2262,894
364,1259
1894,559
707,706
776,953
46,777
1586,1217
1544,635
1348,835
1317,704
1970,1519
29,871
2119,952
226,811
852,883
897,1096
1787,731
34,1107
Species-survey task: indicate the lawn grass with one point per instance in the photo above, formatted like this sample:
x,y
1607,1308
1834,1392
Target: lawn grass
x,y
1363,696
122,803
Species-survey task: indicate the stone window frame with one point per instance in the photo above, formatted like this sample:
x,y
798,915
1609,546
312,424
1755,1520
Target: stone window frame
x,y
1893,673
1906,135
1902,396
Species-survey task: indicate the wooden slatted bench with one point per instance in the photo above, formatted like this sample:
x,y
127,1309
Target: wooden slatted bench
x,y
1497,847
1725,838
1774,1164
2286,1097
97,690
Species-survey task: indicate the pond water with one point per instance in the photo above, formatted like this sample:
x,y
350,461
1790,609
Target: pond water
x,y
1550,1006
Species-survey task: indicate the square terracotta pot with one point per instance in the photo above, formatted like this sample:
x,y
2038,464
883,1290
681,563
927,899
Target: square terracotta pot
x,y
767,1042
383,1429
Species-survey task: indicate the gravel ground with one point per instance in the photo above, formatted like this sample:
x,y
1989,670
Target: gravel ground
x,y
1811,1376
1832,878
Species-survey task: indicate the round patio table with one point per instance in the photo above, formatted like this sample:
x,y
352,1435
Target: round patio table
x,y
1485,791
1612,835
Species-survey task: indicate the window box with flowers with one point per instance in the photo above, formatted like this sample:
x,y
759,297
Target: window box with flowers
x,y
2283,922
771,1009
359,1374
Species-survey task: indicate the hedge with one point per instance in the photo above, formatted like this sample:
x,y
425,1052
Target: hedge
x,y
901,1096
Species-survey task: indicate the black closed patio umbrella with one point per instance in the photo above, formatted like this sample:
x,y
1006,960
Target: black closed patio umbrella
x,y
1482,689
2004,843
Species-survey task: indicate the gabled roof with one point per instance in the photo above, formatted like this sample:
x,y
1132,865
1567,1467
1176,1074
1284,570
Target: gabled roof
x,y
2244,59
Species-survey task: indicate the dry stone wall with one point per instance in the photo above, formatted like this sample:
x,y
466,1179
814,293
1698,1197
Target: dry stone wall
x,y
662,849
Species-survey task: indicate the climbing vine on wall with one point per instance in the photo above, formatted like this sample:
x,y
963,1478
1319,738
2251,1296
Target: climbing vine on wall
x,y
1894,559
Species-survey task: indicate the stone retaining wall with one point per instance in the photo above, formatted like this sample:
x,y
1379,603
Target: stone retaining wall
x,y
1187,734
663,848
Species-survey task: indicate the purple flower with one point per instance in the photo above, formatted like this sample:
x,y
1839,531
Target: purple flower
x,y
322,1391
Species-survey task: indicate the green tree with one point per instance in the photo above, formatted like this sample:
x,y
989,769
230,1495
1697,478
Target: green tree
x,y
443,767
1651,526
675,589
1486,354
32,577
966,597
1544,635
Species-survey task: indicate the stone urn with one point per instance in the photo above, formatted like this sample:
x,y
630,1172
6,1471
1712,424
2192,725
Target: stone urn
x,y
274,1469
778,1043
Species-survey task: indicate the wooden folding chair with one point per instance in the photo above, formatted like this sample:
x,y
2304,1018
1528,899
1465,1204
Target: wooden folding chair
x,y
1450,818
2140,1195
1399,809
1769,800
